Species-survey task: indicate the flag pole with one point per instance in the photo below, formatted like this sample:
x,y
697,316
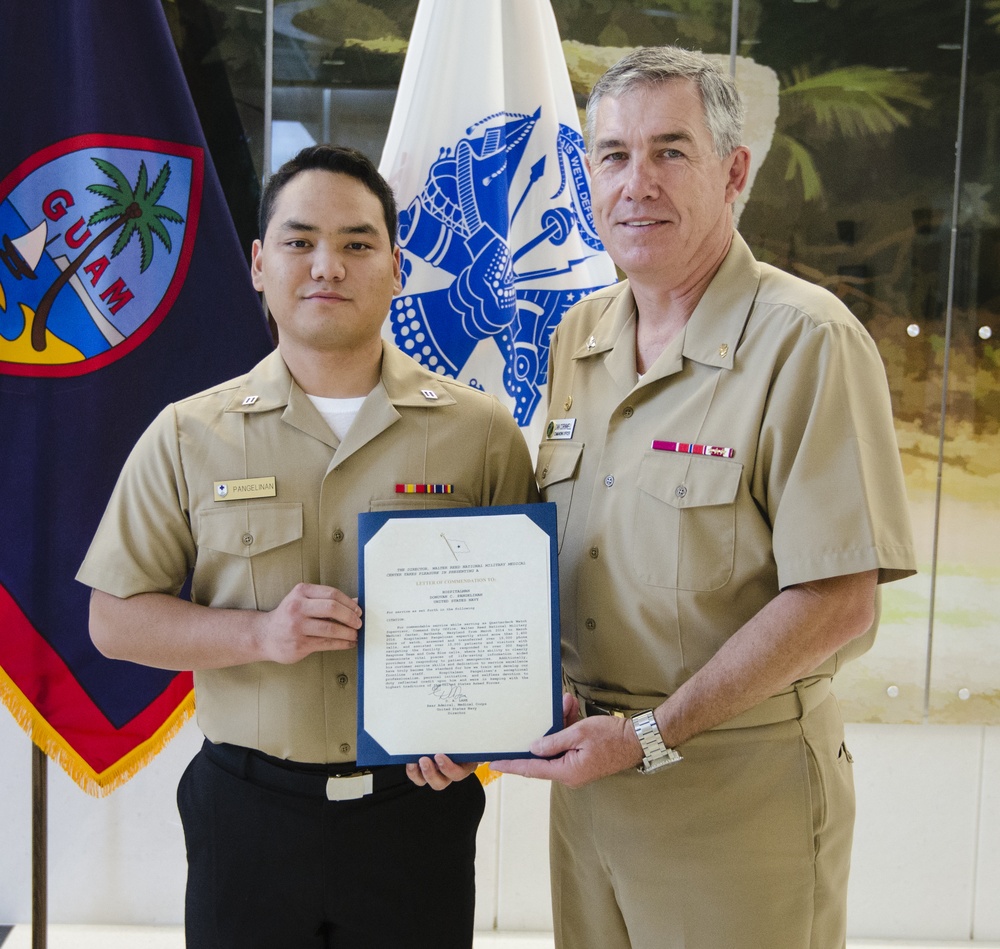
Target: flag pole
x,y
39,846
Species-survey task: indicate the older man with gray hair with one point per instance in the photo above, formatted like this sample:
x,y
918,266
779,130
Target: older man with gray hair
x,y
730,495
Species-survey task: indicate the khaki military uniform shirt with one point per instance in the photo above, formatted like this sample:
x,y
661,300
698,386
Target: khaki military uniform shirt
x,y
165,521
664,554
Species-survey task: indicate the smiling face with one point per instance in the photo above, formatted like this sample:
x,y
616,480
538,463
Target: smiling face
x,y
326,266
662,196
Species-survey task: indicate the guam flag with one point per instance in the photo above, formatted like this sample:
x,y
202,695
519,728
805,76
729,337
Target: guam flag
x,y
122,287
485,156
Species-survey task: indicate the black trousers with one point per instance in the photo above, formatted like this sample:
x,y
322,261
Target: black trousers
x,y
272,864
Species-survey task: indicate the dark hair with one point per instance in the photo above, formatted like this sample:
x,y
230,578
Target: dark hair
x,y
338,159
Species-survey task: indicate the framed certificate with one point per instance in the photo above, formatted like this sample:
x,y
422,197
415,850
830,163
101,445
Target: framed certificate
x,y
459,651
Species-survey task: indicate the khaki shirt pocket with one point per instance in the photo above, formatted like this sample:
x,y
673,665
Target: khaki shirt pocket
x,y
685,521
249,547
558,463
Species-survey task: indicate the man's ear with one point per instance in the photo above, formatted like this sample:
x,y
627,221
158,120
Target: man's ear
x,y
397,286
256,266
739,172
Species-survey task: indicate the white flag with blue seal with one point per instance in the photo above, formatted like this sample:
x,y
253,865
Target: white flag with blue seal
x,y
486,159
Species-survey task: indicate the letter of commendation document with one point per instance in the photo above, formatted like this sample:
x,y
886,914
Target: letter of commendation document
x,y
459,651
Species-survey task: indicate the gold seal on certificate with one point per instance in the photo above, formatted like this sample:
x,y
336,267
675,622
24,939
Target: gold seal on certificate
x,y
459,650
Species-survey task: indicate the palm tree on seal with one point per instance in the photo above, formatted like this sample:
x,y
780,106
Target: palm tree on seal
x,y
135,211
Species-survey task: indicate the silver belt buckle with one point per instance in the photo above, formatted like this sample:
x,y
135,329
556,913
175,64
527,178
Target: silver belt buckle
x,y
607,710
348,787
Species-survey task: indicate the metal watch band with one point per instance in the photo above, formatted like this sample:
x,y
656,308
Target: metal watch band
x,y
656,754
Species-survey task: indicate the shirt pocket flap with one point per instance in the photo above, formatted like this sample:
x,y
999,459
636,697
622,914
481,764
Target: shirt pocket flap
x,y
689,481
250,530
557,462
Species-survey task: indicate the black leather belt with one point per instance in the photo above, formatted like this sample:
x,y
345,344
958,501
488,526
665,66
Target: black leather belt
x,y
332,782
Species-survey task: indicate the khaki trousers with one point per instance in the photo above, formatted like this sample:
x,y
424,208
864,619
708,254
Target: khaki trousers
x,y
745,844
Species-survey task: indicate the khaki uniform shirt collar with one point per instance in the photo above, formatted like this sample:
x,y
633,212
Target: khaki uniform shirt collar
x,y
405,382
269,386
718,321
710,336
402,383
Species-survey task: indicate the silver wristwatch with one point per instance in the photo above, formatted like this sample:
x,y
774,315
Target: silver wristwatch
x,y
655,754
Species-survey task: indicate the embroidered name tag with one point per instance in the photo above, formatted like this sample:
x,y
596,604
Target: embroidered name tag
x,y
560,428
245,488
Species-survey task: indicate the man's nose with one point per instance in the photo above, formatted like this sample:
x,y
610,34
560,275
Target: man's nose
x,y
641,181
327,264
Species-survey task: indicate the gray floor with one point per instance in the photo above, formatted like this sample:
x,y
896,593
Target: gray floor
x,y
172,937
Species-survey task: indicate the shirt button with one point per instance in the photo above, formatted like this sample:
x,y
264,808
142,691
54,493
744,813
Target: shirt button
x,y
609,481
338,535
594,553
342,680
545,472
590,624
681,491
628,411
247,539
344,748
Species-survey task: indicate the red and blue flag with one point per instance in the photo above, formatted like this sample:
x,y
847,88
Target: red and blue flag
x,y
122,287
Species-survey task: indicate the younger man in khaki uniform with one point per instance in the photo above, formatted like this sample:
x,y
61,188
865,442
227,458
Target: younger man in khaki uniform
x,y
722,455
253,489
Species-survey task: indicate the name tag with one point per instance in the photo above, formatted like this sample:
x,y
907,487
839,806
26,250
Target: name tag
x,y
245,488
560,428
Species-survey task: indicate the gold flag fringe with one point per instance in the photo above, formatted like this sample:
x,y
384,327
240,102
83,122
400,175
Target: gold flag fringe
x,y
97,784
101,784
486,774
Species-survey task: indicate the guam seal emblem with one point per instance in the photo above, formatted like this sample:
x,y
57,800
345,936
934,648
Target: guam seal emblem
x,y
494,250
96,234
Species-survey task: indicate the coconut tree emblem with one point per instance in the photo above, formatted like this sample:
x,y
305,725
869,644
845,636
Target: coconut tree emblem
x,y
134,211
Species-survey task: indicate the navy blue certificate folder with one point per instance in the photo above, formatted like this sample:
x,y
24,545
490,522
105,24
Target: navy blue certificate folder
x,y
459,649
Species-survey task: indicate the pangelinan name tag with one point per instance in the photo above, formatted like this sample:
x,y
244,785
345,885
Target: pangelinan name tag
x,y
245,488
560,428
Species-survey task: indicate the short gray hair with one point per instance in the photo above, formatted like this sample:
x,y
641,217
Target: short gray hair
x,y
651,65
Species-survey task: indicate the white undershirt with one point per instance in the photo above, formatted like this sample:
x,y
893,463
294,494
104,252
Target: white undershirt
x,y
339,413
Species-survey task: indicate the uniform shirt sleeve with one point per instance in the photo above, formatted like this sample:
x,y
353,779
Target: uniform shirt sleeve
x,y
143,543
828,462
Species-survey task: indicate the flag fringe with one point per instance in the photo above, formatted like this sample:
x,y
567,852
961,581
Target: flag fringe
x,y
103,783
96,784
486,774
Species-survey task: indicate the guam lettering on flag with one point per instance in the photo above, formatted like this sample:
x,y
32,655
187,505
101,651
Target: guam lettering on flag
x,y
485,156
122,288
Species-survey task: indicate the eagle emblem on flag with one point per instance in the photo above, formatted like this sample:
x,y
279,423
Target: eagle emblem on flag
x,y
485,257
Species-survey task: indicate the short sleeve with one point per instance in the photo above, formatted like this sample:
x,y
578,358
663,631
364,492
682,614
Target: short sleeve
x,y
830,463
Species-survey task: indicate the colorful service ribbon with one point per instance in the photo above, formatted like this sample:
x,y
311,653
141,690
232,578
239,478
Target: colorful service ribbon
x,y
716,451
425,488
